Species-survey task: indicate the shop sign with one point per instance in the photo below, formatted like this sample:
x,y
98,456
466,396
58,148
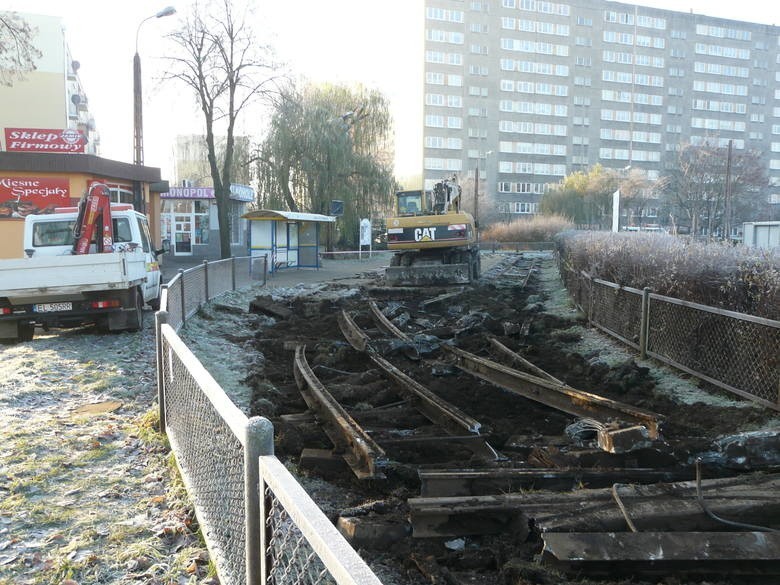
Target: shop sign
x,y
44,140
21,196
237,193
241,193
188,193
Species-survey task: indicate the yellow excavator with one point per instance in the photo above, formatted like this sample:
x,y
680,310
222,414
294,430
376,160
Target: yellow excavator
x,y
435,241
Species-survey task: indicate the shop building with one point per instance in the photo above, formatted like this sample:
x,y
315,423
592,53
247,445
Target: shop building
x,y
38,183
188,219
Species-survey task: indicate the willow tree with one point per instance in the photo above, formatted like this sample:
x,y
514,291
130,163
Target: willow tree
x,y
221,62
17,51
325,143
582,197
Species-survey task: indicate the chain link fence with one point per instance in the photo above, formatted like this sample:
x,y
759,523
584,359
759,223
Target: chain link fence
x,y
737,352
259,524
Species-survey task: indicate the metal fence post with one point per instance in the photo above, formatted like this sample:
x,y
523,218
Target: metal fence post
x,y
589,280
259,440
265,269
206,279
183,305
160,318
233,272
644,323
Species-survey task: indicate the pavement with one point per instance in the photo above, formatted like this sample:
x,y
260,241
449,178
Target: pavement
x,y
330,269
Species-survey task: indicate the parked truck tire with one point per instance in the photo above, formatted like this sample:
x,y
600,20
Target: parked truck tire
x,y
135,320
155,302
25,331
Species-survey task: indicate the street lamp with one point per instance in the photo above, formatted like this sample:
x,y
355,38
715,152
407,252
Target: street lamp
x,y
138,130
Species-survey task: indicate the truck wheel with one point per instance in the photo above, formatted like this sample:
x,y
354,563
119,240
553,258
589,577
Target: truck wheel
x,y
155,302
135,321
26,331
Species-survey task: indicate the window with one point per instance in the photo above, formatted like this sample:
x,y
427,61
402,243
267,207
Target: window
x,y
524,207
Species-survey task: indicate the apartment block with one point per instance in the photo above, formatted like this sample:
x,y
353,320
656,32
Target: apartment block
x,y
51,97
524,92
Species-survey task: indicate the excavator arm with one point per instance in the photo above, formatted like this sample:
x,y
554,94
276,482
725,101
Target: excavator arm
x,y
94,213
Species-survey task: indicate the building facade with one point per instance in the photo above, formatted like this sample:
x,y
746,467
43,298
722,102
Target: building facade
x,y
524,92
49,98
189,210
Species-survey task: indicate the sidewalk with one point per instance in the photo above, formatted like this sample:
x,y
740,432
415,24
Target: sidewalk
x,y
330,269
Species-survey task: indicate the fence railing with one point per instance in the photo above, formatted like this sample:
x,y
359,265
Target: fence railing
x,y
734,351
259,524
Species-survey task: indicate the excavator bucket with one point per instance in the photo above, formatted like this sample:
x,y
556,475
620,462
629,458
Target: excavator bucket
x,y
427,274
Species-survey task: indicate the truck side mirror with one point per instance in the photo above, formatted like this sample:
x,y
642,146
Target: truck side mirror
x,y
166,247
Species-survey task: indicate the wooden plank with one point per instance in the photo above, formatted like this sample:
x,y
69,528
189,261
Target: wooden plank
x,y
472,482
652,553
674,506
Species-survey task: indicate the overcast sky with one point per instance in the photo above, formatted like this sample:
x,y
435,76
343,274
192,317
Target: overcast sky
x,y
376,43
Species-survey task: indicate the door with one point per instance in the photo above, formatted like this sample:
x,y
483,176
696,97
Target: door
x,y
182,235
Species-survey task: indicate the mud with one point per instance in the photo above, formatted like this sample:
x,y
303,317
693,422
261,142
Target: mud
x,y
526,433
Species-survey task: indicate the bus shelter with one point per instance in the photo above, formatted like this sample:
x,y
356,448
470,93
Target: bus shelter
x,y
287,239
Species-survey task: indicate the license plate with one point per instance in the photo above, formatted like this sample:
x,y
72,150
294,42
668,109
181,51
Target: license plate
x,y
51,307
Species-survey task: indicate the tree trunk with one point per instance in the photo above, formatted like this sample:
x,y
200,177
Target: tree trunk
x,y
223,218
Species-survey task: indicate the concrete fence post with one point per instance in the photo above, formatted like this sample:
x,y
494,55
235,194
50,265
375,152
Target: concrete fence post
x,y
160,319
644,323
259,440
183,305
206,279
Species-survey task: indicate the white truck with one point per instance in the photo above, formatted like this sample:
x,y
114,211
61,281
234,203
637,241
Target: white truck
x,y
55,286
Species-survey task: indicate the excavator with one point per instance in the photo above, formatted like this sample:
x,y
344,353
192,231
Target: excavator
x,y
434,239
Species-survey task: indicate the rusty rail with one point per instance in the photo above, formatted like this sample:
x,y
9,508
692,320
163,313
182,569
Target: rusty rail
x,y
560,396
362,454
439,411
385,324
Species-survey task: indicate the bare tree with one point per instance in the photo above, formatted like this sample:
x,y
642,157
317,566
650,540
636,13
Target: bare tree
x,y
17,52
696,185
221,62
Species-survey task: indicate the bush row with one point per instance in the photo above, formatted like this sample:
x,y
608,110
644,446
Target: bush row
x,y
715,274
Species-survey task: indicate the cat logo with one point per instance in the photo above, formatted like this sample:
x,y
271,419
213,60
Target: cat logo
x,y
424,234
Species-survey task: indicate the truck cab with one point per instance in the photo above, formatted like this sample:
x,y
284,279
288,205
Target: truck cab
x,y
53,235
56,285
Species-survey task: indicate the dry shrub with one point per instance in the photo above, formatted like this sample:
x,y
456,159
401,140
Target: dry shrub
x,y
716,274
537,228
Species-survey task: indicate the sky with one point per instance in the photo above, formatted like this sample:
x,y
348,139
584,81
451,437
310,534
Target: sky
x,y
373,42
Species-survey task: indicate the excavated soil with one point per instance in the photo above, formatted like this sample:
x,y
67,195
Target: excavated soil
x,y
528,434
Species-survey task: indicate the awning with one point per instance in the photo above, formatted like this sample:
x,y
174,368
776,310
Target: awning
x,y
269,214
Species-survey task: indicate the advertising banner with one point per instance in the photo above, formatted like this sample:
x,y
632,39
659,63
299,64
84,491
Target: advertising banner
x,y
21,196
44,140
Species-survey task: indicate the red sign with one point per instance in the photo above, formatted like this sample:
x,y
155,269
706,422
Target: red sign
x,y
44,140
21,196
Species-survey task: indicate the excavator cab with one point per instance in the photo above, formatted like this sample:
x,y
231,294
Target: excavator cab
x,y
410,202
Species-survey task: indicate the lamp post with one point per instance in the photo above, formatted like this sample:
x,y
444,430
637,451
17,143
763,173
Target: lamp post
x,y
138,130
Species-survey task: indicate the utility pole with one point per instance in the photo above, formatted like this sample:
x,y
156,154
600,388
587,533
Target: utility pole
x,y
727,205
476,202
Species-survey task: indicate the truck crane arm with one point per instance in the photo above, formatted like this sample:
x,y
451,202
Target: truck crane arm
x,y
94,210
